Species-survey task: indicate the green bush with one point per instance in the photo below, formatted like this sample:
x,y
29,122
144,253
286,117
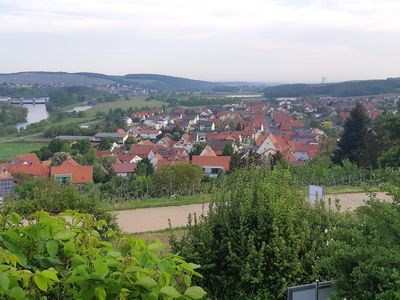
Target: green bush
x,y
64,257
259,237
181,179
364,253
46,195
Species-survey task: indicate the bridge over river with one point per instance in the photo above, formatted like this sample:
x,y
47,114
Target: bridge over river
x,y
29,101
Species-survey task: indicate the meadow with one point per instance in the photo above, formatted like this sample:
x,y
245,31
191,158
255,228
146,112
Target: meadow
x,y
134,102
8,151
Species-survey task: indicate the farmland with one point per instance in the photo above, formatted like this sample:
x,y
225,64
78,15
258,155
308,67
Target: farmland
x,y
134,102
8,151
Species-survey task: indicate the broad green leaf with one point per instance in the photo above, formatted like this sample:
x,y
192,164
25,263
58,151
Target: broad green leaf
x,y
50,274
77,260
4,281
114,253
87,294
100,268
188,280
64,235
100,293
146,282
15,218
69,248
170,291
52,247
156,247
41,282
17,293
152,296
195,292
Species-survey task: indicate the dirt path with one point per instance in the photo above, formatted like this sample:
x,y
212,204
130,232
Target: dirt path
x,y
152,219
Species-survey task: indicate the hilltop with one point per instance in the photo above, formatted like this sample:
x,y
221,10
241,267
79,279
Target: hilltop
x,y
339,89
155,81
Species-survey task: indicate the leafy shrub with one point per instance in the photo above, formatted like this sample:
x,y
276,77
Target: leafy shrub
x,y
178,178
259,237
64,257
364,253
46,195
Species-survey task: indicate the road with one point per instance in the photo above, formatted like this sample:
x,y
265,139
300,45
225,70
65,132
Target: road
x,y
152,219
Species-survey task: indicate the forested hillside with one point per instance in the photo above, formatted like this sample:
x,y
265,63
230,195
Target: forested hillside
x,y
340,89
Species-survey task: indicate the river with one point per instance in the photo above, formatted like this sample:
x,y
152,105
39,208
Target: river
x,y
38,112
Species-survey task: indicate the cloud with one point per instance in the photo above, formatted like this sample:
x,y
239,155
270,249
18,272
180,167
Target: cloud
x,y
190,37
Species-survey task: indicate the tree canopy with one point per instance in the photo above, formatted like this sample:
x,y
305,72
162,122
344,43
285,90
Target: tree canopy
x,y
352,141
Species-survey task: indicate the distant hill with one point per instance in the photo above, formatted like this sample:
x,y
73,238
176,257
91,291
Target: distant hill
x,y
340,89
55,78
160,82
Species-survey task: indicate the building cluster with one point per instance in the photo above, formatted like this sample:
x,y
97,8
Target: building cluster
x,y
29,165
205,136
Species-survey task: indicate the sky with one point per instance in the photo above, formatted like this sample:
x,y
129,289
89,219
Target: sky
x,y
218,40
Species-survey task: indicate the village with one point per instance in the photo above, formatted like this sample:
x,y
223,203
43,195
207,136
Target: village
x,y
295,130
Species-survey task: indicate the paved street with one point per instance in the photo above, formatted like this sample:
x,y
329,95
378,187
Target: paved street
x,y
152,219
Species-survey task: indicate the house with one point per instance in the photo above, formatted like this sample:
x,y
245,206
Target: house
x,y
128,121
167,153
218,145
207,151
73,138
149,134
268,147
142,151
28,164
207,125
72,172
128,157
6,184
120,138
212,165
124,169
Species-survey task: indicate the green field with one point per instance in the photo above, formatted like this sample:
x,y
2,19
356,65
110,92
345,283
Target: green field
x,y
137,101
161,202
8,151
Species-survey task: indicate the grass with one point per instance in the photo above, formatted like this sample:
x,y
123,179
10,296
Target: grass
x,y
8,151
161,202
345,189
137,101
205,198
161,235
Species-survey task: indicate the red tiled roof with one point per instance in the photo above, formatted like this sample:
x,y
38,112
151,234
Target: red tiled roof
x,y
46,164
5,166
141,150
70,162
124,168
260,140
150,131
125,157
212,161
207,151
146,142
80,174
187,137
30,169
30,157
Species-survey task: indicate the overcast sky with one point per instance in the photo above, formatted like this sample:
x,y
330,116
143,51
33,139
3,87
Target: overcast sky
x,y
222,40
